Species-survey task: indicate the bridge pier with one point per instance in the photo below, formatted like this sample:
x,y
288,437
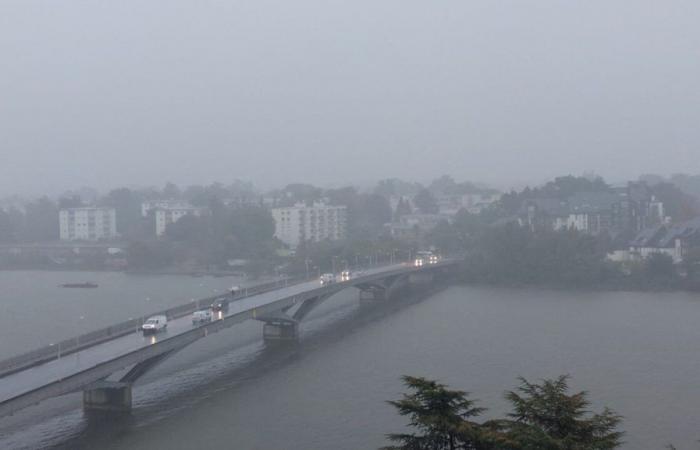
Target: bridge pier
x,y
113,396
280,331
420,278
372,293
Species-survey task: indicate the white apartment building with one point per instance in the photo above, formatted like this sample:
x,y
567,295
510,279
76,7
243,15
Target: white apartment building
x,y
166,216
300,223
147,207
166,212
87,224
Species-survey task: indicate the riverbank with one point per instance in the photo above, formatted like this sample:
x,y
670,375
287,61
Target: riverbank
x,y
165,271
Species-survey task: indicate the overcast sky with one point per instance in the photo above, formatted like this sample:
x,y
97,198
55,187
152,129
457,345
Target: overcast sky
x,y
328,91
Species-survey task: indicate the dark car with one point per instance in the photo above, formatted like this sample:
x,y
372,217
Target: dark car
x,y
220,305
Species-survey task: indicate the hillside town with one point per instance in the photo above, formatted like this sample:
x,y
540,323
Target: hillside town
x,y
174,230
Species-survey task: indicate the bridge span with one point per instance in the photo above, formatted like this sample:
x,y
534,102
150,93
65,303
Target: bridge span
x,y
130,355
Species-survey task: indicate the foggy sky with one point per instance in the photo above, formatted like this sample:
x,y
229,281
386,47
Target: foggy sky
x,y
329,91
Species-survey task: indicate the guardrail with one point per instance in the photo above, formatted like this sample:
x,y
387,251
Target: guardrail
x,y
74,344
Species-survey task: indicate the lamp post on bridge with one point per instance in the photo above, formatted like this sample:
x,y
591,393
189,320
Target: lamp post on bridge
x,y
333,263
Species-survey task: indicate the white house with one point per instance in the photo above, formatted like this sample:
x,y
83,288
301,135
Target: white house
x,y
87,224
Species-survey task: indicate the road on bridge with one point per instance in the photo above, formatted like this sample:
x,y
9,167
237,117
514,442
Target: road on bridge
x,y
25,381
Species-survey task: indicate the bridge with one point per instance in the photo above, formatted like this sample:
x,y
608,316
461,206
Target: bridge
x,y
91,362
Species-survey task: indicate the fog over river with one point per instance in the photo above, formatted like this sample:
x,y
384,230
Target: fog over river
x,y
635,352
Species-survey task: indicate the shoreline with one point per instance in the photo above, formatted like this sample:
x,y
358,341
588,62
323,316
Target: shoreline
x,y
191,273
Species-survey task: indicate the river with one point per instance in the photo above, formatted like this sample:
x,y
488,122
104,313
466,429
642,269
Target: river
x,y
634,352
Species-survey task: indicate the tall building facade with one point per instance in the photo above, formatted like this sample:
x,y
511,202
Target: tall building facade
x,y
87,224
167,212
166,216
301,223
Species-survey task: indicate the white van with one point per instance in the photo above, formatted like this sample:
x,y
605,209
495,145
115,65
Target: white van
x,y
154,324
327,278
202,316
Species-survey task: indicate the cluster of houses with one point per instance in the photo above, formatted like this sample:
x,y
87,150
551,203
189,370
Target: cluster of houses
x,y
412,225
631,215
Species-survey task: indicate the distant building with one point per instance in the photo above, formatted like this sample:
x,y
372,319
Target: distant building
x,y
166,216
629,209
87,224
166,212
412,226
472,202
147,207
672,240
300,223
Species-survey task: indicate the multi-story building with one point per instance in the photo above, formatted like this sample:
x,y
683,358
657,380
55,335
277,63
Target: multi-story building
x,y
166,216
147,207
301,223
166,212
630,209
413,226
87,224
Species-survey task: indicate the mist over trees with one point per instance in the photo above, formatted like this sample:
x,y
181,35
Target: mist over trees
x,y
237,225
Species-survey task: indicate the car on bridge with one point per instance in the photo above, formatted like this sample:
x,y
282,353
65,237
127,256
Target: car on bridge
x,y
202,316
424,258
327,278
345,275
154,325
220,305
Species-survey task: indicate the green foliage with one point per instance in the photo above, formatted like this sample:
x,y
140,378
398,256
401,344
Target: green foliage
x,y
548,409
298,193
40,221
561,188
352,253
227,233
366,213
7,228
394,186
436,413
149,255
544,417
127,207
657,270
426,202
517,255
402,208
677,204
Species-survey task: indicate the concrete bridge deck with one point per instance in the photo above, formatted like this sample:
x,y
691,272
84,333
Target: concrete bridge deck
x,y
80,370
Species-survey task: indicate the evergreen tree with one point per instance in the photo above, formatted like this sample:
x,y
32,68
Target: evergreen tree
x,y
438,415
546,416
426,202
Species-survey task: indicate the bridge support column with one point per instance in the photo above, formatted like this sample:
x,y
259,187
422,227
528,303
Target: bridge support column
x,y
420,278
280,331
108,396
372,293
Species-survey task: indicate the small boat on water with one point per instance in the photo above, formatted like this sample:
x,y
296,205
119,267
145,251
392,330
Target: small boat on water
x,y
79,285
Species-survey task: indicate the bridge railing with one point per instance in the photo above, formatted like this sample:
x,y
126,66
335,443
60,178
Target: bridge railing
x,y
74,344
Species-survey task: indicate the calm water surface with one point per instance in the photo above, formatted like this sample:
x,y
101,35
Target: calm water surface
x,y
635,352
